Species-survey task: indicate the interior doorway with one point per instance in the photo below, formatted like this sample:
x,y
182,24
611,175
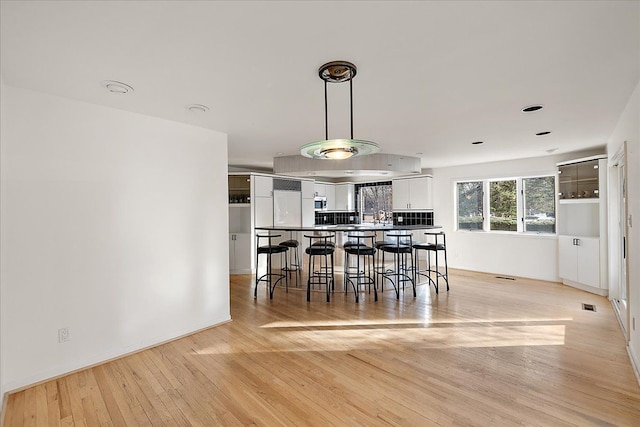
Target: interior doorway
x,y
618,282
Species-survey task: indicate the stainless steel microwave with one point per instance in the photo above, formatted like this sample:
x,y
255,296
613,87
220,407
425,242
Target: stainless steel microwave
x,y
320,203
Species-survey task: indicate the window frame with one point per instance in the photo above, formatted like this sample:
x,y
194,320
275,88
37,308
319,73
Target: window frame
x,y
520,204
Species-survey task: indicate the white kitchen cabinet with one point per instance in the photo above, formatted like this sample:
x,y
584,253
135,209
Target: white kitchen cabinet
x,y
308,189
345,197
320,189
330,193
262,186
240,253
582,224
579,260
412,193
263,211
308,211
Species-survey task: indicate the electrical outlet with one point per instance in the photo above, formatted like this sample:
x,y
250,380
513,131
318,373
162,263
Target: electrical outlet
x,y
63,335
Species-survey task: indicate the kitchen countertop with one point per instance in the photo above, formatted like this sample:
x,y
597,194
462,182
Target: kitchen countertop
x,y
350,227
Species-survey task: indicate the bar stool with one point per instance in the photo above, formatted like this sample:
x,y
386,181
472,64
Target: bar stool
x,y
322,248
400,247
435,247
362,247
294,257
269,250
379,261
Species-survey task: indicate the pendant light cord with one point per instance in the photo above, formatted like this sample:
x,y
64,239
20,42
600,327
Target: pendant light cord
x,y
326,114
351,98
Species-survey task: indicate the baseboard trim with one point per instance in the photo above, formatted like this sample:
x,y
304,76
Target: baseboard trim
x,y
587,288
634,363
3,411
108,360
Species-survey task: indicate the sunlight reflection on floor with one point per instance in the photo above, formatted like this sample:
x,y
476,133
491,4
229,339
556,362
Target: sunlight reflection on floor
x,y
373,322
411,337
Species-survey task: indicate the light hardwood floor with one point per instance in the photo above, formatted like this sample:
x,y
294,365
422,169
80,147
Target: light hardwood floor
x,y
489,352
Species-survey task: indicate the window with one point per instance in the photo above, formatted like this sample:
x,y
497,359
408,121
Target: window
x,y
514,204
503,208
375,202
540,204
470,205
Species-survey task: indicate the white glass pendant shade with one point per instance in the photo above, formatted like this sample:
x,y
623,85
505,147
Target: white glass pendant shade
x,y
338,149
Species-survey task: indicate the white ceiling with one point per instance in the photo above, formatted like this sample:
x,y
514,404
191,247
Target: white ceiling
x,y
432,76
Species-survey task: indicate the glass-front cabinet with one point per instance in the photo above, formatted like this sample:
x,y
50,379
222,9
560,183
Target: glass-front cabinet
x,y
239,189
579,180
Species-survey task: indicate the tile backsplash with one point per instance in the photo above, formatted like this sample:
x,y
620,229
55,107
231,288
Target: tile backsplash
x,y
413,218
331,218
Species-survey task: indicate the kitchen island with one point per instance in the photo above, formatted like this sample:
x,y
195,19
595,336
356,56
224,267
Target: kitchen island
x,y
349,228
340,233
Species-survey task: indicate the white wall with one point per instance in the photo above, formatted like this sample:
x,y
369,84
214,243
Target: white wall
x,y
628,129
523,255
113,225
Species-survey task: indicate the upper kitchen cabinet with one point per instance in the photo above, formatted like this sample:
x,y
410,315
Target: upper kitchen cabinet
x,y
320,189
579,180
328,191
345,197
239,189
413,193
262,186
262,200
308,189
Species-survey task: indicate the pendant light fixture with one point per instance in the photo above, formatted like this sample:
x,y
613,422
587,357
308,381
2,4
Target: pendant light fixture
x,y
338,149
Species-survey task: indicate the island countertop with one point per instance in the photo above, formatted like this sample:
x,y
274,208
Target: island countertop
x,y
350,227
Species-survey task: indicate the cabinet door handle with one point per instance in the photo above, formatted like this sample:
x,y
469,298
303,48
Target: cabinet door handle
x,y
577,242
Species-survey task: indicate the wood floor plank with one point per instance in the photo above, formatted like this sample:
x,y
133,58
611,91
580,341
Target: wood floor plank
x,y
489,352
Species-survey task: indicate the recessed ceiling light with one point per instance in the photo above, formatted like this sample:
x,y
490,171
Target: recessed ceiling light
x,y
197,108
477,142
532,108
546,132
116,87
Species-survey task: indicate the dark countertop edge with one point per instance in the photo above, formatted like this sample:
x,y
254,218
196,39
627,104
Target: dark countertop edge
x,y
347,227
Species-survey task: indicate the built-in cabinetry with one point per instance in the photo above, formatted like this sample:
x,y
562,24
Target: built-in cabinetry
x,y
582,224
345,199
239,224
579,259
257,200
413,193
262,200
308,211
239,250
239,189
328,191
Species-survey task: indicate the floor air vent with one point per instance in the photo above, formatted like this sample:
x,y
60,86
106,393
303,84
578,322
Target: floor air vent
x,y
588,307
505,278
